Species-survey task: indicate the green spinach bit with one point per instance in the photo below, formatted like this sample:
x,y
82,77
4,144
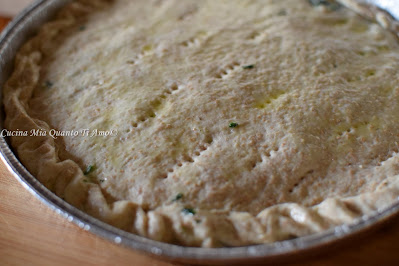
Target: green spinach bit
x,y
189,211
248,66
178,197
233,125
48,84
282,12
89,169
331,5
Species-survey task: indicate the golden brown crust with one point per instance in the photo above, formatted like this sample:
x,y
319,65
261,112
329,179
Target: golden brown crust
x,y
165,222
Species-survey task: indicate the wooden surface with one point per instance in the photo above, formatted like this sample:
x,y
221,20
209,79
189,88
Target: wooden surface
x,y
3,22
32,234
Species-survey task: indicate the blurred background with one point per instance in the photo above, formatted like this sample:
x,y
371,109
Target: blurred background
x,y
9,8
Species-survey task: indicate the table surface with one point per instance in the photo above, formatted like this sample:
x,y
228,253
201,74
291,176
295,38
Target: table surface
x,y
31,233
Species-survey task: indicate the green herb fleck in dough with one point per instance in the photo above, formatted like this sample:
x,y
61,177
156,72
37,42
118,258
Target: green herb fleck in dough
x,y
282,12
82,28
248,66
48,84
318,2
178,197
331,5
233,125
189,211
89,169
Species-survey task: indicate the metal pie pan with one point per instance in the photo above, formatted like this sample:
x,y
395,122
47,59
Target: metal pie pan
x,y
19,31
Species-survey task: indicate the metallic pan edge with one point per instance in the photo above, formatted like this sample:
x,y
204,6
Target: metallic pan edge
x,y
22,28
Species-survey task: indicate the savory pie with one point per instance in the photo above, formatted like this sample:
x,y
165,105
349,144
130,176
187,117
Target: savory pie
x,y
211,123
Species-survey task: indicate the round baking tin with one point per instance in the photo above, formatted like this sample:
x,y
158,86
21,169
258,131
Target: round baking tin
x,y
19,31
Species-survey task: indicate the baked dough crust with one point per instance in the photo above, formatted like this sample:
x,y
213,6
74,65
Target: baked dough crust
x,y
317,137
